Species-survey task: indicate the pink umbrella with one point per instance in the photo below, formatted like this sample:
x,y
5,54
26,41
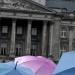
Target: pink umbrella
x,y
39,65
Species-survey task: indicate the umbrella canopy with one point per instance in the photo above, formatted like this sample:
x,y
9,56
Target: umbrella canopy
x,y
66,65
39,65
11,68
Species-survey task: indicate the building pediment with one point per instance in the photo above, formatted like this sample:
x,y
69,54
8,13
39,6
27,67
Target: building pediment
x,y
23,5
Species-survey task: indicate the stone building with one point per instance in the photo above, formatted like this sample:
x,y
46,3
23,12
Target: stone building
x,y
30,28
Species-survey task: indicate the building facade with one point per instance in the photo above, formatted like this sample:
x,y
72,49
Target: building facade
x,y
28,28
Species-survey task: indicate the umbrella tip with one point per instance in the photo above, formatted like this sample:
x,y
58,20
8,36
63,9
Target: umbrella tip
x,y
16,65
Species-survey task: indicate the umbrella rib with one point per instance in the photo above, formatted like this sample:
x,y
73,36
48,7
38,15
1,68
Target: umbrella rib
x,y
16,64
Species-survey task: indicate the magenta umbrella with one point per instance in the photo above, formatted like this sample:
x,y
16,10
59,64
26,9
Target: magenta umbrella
x,y
39,65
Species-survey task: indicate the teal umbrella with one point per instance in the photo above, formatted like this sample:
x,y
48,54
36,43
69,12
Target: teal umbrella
x,y
11,68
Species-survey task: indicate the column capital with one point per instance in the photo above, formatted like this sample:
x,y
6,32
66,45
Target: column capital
x,y
14,20
45,21
29,21
51,23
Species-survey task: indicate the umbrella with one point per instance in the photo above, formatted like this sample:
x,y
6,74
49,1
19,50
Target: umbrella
x,y
11,68
39,65
66,65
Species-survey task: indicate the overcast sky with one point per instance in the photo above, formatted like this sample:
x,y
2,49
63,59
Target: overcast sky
x,y
70,5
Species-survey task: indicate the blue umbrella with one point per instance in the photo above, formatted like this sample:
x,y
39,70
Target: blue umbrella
x,y
66,65
11,68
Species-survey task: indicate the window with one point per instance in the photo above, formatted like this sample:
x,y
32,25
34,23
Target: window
x,y
5,29
19,30
34,47
33,50
3,50
34,31
63,33
18,50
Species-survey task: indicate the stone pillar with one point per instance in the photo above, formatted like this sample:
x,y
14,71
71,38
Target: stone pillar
x,y
28,40
44,41
13,31
50,39
56,39
0,34
70,39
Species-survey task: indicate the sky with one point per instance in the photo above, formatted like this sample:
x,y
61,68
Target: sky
x,y
70,5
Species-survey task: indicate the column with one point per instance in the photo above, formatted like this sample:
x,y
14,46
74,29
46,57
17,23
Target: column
x,y
56,39
70,39
13,31
44,31
50,39
0,34
28,40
